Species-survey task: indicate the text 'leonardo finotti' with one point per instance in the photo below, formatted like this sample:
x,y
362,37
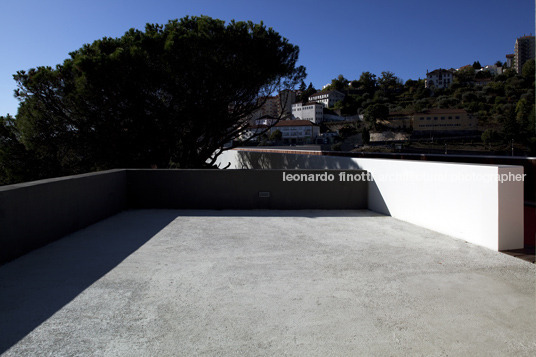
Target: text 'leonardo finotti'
x,y
327,177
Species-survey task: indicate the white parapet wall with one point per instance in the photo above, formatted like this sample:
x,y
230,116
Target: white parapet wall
x,y
482,204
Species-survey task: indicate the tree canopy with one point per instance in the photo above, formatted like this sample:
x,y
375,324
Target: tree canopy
x,y
169,96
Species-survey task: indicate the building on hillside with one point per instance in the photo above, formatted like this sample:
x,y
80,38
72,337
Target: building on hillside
x,y
523,51
297,131
510,60
311,111
270,107
444,120
432,120
492,69
279,106
286,98
439,78
327,99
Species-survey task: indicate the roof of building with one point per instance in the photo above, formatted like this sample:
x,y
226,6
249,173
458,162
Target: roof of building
x,y
439,71
308,103
464,67
323,93
61,281
296,122
443,111
399,114
510,55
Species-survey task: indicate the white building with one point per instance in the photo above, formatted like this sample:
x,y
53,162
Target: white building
x,y
493,69
311,111
297,131
266,120
327,99
251,131
440,78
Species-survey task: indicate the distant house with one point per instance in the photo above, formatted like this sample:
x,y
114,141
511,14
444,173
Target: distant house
x,y
432,120
327,99
445,120
311,111
493,69
297,131
439,78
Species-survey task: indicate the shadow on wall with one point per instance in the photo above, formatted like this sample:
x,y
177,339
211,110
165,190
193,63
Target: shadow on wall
x,y
37,285
266,160
305,213
263,160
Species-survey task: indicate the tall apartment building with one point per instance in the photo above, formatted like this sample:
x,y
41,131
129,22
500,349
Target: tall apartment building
x,y
279,106
286,98
510,60
524,50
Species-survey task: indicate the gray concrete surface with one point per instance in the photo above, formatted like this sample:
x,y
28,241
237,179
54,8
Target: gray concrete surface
x,y
265,283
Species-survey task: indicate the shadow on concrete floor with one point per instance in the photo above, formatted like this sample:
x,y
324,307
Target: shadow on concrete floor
x,y
37,285
527,253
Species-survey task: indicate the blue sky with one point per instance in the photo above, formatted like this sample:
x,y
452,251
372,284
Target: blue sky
x,y
335,37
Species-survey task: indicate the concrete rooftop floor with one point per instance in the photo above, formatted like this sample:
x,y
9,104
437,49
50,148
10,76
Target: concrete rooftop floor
x,y
309,283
